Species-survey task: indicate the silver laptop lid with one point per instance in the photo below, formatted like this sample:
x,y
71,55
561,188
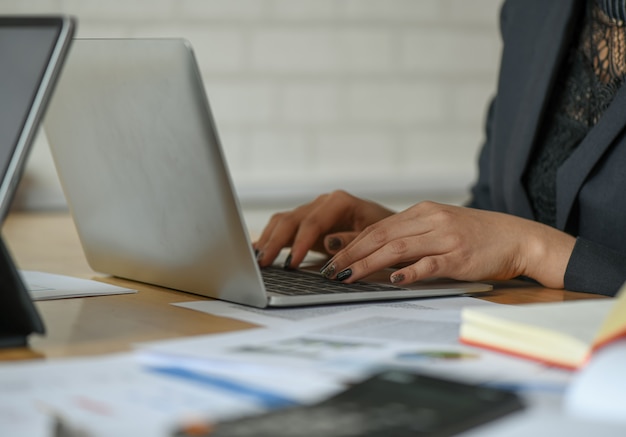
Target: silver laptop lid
x,y
139,159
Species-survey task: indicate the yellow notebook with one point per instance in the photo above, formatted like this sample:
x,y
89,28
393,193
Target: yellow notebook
x,y
563,334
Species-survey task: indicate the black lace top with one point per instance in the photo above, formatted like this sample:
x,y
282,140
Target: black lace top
x,y
592,74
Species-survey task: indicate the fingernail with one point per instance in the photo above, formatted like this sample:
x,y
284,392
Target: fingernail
x,y
287,264
259,256
397,277
328,270
334,243
344,274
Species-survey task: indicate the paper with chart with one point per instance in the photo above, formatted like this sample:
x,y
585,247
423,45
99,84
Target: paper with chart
x,y
121,395
358,341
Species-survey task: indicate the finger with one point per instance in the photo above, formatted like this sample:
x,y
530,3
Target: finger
x,y
307,225
266,233
343,261
378,234
284,230
395,252
391,239
278,234
400,251
417,219
326,216
333,243
426,268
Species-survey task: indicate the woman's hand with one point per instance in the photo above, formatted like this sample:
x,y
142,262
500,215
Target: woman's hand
x,y
326,225
455,242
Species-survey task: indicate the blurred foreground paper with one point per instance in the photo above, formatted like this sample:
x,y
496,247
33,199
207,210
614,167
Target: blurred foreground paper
x,y
598,391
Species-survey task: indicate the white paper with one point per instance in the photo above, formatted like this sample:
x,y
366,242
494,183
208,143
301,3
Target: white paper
x,y
225,375
281,317
47,286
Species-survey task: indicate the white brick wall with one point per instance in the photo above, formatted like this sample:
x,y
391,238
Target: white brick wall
x,y
383,97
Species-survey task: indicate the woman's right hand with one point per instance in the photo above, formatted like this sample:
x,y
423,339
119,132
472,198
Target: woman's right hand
x,y
326,225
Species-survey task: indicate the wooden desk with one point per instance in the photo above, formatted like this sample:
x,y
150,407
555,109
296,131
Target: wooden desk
x,y
95,325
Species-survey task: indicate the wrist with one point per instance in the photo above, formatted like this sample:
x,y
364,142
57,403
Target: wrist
x,y
547,254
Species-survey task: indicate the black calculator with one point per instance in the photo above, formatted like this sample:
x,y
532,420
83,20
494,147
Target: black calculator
x,y
391,403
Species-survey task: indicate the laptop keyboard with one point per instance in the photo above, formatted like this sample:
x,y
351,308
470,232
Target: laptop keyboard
x,y
298,282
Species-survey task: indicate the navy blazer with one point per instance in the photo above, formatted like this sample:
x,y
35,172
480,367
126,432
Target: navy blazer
x,y
591,183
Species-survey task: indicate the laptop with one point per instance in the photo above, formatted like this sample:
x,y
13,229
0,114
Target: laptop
x,y
32,50
140,162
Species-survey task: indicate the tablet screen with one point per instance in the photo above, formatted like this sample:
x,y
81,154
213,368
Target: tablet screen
x,y
30,52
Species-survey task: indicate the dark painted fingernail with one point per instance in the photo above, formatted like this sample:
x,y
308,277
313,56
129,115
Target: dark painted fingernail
x,y
328,270
287,264
334,243
344,274
256,253
397,277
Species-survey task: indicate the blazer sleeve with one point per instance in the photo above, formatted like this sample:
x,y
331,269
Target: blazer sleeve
x,y
481,192
594,268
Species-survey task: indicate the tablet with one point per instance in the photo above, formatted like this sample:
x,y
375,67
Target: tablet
x,y
32,51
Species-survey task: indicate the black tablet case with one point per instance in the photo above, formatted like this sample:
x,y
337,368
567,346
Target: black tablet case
x,y
18,316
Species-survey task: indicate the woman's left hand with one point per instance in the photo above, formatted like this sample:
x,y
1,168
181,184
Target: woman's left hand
x,y
437,240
